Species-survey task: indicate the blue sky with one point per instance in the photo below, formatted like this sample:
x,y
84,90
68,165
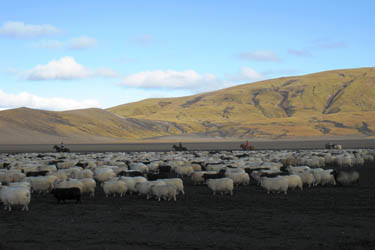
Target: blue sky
x,y
61,55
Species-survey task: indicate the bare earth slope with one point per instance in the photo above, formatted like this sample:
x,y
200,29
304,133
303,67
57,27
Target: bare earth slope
x,y
336,103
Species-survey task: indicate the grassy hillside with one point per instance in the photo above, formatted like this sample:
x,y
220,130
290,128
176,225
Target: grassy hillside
x,y
339,102
332,103
25,125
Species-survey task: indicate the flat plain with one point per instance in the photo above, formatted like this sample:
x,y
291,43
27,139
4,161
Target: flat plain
x,y
328,217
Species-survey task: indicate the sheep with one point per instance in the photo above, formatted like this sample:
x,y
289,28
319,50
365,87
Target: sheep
x,y
197,177
240,178
89,185
87,173
209,175
294,181
69,183
104,174
139,167
278,184
144,188
307,178
63,194
11,196
177,182
42,184
26,185
327,177
164,191
37,173
131,182
346,178
222,185
184,170
297,169
114,187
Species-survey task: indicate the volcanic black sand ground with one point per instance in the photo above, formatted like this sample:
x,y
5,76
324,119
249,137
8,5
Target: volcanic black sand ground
x,y
315,218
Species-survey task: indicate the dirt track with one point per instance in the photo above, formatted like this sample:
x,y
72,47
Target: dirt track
x,y
316,218
212,145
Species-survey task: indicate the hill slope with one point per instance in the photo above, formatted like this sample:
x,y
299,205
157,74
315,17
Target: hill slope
x,y
26,125
339,102
331,103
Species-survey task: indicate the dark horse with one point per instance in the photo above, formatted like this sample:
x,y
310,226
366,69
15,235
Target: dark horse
x,y
59,149
179,148
244,147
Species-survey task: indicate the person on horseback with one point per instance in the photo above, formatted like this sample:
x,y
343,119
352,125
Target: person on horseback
x,y
62,146
247,144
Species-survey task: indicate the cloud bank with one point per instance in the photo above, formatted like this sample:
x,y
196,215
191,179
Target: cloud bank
x,y
25,99
21,30
169,79
65,68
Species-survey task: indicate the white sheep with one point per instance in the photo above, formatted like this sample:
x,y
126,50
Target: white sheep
x,y
184,170
294,181
89,186
42,184
307,178
177,182
12,196
240,178
140,167
297,169
87,173
277,184
104,174
114,187
164,191
222,185
26,185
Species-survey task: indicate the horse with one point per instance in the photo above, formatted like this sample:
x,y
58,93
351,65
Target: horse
x,y
59,149
244,147
179,148
333,146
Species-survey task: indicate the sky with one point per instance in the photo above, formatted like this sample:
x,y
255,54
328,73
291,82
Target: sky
x,y
63,55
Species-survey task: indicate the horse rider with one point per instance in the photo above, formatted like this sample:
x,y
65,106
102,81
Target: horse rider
x,y
62,145
247,144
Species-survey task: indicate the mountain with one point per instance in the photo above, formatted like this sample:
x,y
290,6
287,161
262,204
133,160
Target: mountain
x,y
334,103
24,125
326,104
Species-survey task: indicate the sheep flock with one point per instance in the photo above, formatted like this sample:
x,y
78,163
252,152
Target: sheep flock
x,y
161,176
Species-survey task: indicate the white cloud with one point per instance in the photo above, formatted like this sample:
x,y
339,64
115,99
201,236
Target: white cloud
x,y
169,79
65,69
250,74
26,99
260,55
82,42
245,74
21,30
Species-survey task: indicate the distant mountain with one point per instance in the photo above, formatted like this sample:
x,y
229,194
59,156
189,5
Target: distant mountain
x,y
334,103
24,125
327,104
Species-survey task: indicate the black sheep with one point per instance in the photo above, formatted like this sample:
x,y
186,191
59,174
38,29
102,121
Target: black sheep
x,y
37,173
67,194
